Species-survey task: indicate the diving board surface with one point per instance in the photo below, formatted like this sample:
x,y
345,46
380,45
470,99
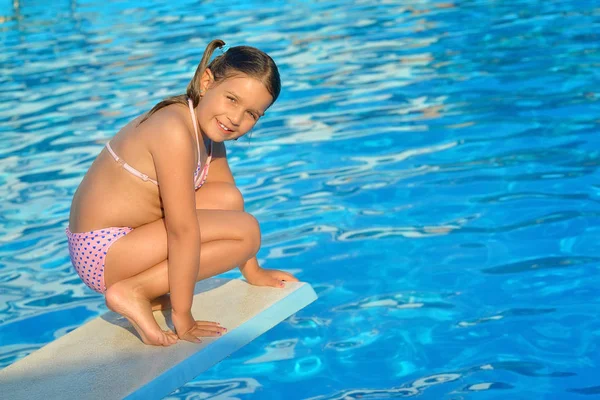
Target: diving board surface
x,y
104,359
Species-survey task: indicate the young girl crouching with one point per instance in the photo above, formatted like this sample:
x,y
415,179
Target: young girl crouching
x,y
149,219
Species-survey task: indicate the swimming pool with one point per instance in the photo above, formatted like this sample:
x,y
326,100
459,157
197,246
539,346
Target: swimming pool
x,y
431,168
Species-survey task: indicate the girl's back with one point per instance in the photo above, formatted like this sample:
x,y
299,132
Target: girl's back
x,y
111,196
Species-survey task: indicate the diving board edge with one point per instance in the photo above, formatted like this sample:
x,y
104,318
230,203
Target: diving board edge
x,y
216,351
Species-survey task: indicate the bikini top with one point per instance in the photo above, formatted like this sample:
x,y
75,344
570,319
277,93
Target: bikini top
x,y
199,179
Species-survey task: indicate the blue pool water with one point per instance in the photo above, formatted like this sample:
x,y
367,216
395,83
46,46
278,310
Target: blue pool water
x,y
431,168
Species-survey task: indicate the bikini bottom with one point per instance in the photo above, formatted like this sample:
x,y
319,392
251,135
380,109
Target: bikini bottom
x,y
88,251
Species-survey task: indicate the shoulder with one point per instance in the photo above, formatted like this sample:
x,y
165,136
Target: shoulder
x,y
169,128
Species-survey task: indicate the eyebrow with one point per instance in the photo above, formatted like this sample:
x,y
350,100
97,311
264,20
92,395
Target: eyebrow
x,y
251,109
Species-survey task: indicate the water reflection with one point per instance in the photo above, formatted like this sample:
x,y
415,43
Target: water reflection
x,y
418,150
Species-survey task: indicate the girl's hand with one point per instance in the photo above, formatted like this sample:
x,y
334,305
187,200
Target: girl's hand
x,y
269,277
191,330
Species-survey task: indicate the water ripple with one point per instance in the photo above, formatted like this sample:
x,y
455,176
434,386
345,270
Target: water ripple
x,y
430,167
541,264
591,390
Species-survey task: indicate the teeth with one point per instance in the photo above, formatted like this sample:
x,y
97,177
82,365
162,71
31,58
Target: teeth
x,y
223,126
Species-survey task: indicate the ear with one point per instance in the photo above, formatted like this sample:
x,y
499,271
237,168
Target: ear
x,y
207,80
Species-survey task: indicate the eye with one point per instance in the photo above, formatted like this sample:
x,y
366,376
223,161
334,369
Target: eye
x,y
232,99
254,116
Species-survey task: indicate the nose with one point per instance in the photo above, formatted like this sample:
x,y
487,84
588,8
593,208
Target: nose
x,y
236,117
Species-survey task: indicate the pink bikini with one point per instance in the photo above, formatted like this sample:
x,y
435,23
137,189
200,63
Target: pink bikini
x,y
88,249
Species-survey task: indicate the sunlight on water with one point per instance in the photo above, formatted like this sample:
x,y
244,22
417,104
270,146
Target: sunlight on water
x,y
430,168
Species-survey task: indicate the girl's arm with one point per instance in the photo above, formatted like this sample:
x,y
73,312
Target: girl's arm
x,y
173,151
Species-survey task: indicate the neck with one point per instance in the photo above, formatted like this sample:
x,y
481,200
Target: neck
x,y
201,135
205,140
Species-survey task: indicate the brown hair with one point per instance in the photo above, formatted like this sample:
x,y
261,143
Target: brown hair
x,y
239,59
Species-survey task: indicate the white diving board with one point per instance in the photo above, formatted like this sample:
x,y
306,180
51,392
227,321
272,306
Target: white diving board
x,y
104,359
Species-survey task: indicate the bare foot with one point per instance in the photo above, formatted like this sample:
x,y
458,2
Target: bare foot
x,y
161,303
124,300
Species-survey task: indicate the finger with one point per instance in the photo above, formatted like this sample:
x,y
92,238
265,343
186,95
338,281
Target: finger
x,y
205,333
211,328
190,337
208,323
203,330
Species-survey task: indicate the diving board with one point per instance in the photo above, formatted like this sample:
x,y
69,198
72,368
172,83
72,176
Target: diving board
x,y
104,359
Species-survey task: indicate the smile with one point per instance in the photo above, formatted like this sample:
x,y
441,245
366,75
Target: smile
x,y
223,127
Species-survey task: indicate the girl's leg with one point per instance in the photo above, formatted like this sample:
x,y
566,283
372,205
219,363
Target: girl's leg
x,y
136,266
219,196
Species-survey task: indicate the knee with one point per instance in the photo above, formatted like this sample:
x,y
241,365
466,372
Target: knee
x,y
252,233
219,196
231,198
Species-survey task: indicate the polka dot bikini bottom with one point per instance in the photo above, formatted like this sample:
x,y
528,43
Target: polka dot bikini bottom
x,y
88,251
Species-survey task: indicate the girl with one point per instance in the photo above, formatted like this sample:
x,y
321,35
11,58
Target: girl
x,y
136,236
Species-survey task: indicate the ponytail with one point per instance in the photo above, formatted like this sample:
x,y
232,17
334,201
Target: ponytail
x,y
193,88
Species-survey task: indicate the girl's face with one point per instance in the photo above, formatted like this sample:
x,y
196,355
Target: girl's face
x,y
231,107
